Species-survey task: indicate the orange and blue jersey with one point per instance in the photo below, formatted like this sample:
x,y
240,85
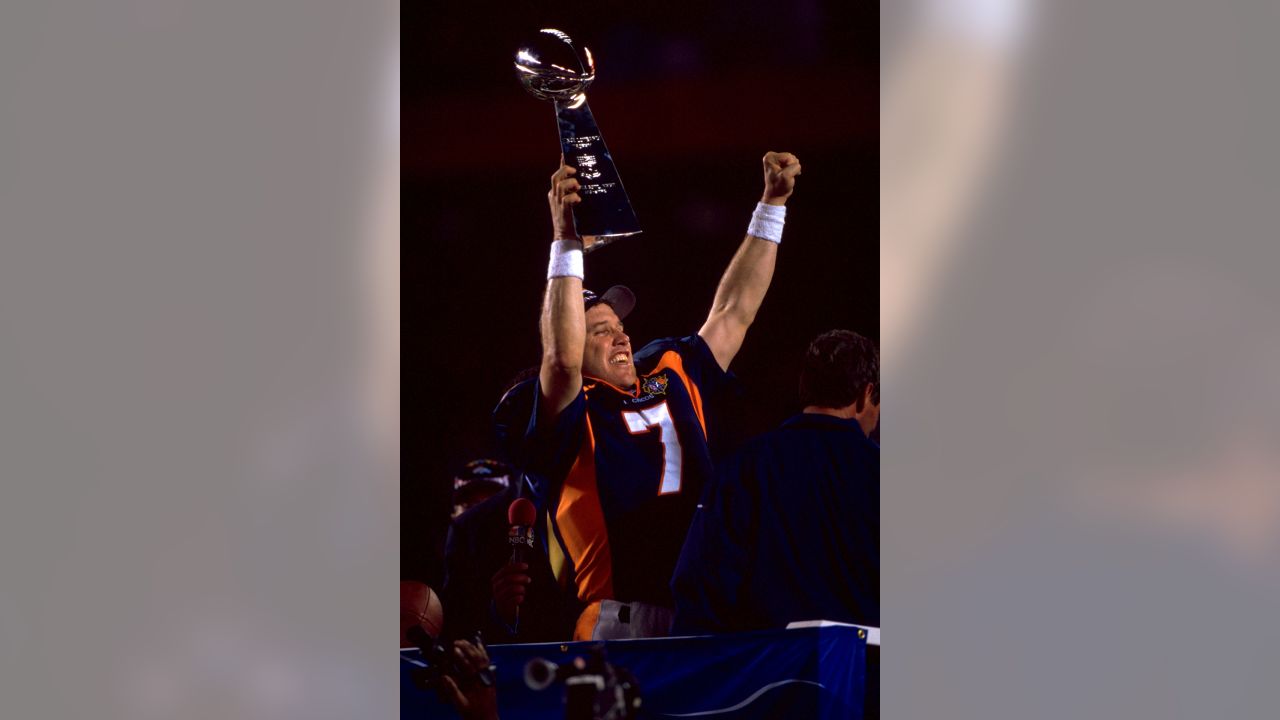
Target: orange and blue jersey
x,y
625,468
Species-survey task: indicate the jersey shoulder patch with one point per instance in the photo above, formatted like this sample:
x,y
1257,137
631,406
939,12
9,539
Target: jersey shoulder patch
x,y
654,385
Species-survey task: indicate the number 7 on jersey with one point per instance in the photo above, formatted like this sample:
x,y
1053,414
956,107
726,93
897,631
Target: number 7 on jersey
x,y
658,416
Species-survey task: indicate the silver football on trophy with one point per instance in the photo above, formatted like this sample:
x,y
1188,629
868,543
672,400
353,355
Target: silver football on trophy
x,y
552,67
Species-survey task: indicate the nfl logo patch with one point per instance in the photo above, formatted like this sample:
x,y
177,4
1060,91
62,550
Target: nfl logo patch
x,y
656,385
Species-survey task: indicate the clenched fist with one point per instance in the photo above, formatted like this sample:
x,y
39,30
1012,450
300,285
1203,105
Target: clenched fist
x,y
780,171
562,196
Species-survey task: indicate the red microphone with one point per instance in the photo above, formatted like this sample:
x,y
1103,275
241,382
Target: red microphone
x,y
522,515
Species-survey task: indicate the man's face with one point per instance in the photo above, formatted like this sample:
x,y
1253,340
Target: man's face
x,y
607,353
872,421
867,412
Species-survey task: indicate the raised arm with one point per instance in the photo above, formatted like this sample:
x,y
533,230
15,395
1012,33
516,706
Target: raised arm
x,y
563,318
745,282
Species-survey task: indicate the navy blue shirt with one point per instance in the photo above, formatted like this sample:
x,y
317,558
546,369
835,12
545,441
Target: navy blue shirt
x,y
789,530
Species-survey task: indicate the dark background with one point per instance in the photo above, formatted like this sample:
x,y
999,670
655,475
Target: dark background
x,y
688,98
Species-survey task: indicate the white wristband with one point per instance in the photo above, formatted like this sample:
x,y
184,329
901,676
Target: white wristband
x,y
767,222
566,259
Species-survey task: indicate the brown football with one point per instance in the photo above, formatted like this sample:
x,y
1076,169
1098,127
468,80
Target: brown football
x,y
419,605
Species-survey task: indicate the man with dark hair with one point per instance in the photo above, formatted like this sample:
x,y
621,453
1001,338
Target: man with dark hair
x,y
790,529
837,367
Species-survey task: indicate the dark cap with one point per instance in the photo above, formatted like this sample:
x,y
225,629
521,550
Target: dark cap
x,y
481,474
618,297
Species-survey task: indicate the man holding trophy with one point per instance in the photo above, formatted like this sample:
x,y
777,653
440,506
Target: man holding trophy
x,y
620,438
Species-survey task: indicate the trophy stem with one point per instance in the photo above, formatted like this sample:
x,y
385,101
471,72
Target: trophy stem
x,y
605,211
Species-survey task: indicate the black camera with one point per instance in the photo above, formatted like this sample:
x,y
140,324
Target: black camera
x,y
440,661
593,688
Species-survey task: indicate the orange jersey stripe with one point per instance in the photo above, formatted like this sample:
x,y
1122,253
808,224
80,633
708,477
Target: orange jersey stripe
x,y
586,625
671,359
581,523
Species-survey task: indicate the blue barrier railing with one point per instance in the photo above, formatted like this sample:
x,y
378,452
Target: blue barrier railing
x,y
814,672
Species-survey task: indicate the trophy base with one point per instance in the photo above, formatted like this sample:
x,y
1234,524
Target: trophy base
x,y
602,240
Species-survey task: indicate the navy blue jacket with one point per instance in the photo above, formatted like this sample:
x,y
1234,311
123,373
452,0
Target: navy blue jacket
x,y
477,548
789,530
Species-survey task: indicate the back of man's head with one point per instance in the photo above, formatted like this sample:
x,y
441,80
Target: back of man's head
x,y
837,368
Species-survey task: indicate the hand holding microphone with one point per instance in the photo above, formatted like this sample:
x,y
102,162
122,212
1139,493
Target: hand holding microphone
x,y
512,581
